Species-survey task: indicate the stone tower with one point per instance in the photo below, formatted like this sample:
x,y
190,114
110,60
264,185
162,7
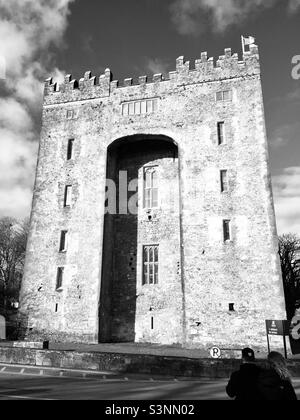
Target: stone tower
x,y
153,217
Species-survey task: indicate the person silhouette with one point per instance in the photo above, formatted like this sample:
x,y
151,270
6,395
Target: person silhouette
x,y
243,384
275,381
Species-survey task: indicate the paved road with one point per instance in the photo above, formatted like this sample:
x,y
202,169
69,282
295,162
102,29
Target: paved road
x,y
21,387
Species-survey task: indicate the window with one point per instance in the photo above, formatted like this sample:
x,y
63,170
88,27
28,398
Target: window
x,y
59,278
227,230
63,241
68,196
221,133
70,149
131,108
150,187
140,107
70,114
224,95
224,181
150,268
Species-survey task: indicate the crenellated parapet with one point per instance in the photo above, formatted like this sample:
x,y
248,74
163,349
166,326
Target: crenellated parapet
x,y
205,69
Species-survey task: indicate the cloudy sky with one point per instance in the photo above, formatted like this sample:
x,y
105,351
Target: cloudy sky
x,y
39,38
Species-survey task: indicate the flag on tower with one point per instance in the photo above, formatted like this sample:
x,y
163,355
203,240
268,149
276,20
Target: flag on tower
x,y
250,40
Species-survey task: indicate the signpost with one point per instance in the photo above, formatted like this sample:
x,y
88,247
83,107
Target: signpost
x,y
286,328
278,327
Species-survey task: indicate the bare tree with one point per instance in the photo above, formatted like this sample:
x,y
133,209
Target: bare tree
x,y
13,239
289,251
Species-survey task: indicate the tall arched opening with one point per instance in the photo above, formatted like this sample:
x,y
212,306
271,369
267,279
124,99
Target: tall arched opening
x,y
141,287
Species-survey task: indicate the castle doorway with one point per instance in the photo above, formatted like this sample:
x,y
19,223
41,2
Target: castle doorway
x,y
141,297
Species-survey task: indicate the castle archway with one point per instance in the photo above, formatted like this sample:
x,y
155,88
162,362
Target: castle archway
x,y
141,293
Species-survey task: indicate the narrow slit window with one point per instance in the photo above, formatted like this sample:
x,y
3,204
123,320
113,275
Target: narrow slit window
x,y
68,196
70,149
150,187
125,109
227,230
63,241
131,108
221,133
60,278
149,107
137,108
150,267
224,181
143,107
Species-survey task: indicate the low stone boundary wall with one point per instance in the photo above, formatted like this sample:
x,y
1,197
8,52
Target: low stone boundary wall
x,y
127,363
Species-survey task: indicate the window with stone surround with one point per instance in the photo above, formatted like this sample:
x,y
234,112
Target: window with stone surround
x,y
224,95
70,149
59,278
227,230
150,187
221,133
145,106
63,241
224,180
150,264
68,196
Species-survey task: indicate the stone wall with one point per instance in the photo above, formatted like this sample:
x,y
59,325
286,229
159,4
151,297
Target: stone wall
x,y
213,274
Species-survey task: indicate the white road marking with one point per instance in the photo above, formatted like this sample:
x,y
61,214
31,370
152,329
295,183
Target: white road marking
x,y
26,398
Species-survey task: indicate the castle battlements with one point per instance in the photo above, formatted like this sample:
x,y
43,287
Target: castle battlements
x,y
205,69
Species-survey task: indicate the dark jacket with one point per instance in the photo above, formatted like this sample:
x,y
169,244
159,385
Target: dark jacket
x,y
273,388
243,383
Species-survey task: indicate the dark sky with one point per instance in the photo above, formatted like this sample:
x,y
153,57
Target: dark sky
x,y
127,36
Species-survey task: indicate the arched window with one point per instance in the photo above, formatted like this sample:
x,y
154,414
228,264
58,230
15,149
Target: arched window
x,y
150,187
150,269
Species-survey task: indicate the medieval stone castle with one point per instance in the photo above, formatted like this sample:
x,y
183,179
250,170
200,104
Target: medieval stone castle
x,y
196,263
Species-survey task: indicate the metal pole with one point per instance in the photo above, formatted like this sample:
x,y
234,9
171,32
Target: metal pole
x,y
268,343
285,350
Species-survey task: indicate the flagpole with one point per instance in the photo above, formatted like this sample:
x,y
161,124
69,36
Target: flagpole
x,y
243,44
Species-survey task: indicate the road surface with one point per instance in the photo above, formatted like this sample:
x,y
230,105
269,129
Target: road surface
x,y
26,387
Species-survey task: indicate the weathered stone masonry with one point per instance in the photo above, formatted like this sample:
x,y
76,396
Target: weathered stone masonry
x,y
200,274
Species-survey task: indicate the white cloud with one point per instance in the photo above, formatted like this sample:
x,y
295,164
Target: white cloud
x,y
286,188
192,16
294,6
156,65
29,29
293,96
284,134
